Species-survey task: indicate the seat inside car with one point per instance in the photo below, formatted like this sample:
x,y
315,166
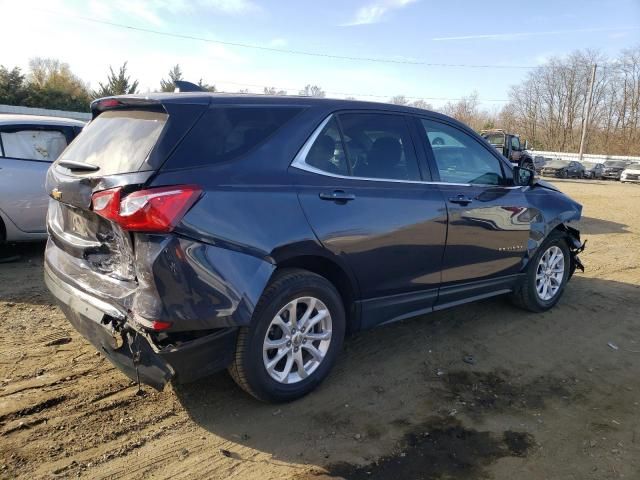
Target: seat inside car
x,y
383,159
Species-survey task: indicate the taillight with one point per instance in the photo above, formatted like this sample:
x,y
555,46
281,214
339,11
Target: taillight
x,y
151,210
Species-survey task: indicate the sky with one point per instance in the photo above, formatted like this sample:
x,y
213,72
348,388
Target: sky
x,y
402,35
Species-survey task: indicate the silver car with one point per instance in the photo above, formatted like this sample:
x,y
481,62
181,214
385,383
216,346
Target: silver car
x,y
28,145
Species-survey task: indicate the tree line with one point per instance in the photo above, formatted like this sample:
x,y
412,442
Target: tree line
x,y
547,108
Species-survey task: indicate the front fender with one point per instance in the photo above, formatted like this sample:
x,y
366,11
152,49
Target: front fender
x,y
553,210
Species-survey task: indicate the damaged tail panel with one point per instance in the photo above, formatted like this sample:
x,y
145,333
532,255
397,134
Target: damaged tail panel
x,y
158,305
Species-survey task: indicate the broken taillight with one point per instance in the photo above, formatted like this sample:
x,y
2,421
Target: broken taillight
x,y
150,210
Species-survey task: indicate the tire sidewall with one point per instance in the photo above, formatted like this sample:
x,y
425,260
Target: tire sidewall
x,y
554,240
257,375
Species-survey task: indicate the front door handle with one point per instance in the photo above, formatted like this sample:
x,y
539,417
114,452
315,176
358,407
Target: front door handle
x,y
461,200
339,196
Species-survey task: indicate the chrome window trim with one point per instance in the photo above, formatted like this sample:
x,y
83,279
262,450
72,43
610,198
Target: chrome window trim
x,y
300,163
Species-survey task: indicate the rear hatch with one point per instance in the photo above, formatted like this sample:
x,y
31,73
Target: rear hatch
x,y
119,151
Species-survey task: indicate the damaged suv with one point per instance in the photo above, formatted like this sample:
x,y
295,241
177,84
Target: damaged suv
x,y
193,232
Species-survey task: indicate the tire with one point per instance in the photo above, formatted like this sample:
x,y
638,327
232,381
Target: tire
x,y
249,368
564,174
526,295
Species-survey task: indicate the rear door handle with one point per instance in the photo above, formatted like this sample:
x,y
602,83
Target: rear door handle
x,y
337,196
461,200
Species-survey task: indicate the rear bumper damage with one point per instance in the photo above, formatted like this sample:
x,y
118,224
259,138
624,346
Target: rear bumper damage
x,y
133,350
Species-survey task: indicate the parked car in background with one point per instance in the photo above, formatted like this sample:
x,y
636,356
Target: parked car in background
x,y
539,162
631,173
593,170
563,169
28,145
197,232
613,169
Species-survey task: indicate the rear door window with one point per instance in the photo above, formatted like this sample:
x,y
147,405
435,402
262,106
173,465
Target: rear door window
x,y
33,144
117,141
379,146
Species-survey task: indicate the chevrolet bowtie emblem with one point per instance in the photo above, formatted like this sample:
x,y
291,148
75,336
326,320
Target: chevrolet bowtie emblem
x,y
56,194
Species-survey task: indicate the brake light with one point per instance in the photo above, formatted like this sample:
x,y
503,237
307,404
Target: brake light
x,y
107,103
151,210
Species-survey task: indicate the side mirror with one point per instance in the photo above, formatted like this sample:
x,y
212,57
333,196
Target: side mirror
x,y
523,176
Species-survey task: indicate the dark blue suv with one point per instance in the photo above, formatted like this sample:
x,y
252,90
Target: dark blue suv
x,y
194,232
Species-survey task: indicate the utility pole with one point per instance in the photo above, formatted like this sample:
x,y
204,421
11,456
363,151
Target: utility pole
x,y
585,121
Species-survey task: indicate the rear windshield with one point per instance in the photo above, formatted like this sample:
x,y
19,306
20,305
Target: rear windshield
x,y
226,133
117,141
615,164
495,138
557,164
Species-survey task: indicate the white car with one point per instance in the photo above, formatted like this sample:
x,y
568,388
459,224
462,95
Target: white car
x,y
631,173
28,145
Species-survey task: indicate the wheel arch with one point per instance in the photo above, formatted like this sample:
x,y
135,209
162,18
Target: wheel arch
x,y
338,275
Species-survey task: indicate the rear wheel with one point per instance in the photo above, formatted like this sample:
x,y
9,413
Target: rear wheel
x,y
546,276
296,334
564,174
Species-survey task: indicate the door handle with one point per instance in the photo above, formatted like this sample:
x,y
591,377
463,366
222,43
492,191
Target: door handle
x,y
339,196
461,200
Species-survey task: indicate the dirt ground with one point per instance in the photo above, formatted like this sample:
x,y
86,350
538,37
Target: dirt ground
x,y
481,391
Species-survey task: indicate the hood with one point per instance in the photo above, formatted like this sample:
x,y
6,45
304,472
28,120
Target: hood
x,y
547,185
633,171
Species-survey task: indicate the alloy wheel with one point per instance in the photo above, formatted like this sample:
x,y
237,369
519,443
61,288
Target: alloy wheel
x,y
550,273
297,340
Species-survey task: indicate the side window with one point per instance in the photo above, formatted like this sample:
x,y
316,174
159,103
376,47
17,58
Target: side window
x,y
515,143
327,152
35,144
460,158
379,146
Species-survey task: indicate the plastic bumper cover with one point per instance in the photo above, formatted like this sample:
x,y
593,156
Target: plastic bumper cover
x,y
133,351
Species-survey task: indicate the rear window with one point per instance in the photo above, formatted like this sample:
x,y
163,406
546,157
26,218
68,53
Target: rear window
x,y
226,133
117,141
495,138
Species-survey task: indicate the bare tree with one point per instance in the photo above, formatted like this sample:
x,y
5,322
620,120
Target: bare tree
x,y
399,100
312,91
549,106
423,104
273,91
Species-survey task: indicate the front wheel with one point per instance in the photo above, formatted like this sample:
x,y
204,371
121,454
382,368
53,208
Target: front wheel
x,y
294,339
546,276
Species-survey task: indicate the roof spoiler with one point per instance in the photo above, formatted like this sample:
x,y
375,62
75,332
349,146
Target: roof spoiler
x,y
109,103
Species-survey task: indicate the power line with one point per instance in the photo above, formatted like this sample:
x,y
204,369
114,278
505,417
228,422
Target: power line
x,y
290,51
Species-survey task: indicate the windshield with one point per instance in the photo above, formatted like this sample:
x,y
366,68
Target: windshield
x,y
616,164
589,165
633,166
117,141
557,164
